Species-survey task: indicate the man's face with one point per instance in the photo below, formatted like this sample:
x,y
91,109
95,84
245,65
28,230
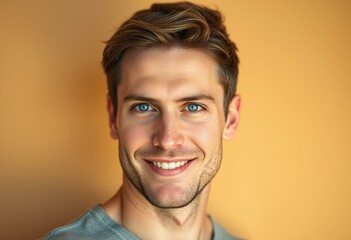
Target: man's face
x,y
169,123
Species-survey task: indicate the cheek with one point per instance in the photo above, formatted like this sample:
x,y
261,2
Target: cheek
x,y
205,134
133,134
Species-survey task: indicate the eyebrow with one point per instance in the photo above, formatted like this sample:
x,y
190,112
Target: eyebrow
x,y
196,98
135,97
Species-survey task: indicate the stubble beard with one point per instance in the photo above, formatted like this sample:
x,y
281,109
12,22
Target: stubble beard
x,y
173,202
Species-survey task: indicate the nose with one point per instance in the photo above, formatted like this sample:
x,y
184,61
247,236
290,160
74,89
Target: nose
x,y
168,133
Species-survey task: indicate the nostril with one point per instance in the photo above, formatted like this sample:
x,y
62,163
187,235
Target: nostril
x,y
167,132
167,141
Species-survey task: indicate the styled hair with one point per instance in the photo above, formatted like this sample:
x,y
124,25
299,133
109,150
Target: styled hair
x,y
181,24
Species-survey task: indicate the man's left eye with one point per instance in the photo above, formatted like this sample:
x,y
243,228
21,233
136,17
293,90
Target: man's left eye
x,y
193,107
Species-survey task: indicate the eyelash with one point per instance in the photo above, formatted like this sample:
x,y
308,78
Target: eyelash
x,y
199,109
134,107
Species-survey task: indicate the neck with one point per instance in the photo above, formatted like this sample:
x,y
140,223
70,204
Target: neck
x,y
189,222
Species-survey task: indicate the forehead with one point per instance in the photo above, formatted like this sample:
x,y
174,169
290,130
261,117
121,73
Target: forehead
x,y
168,70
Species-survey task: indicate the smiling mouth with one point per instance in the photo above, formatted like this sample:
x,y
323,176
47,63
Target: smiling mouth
x,y
169,165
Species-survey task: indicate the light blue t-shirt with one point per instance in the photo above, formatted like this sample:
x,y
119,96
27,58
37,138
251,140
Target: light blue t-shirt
x,y
95,224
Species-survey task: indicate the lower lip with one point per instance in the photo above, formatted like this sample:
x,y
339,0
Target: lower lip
x,y
169,172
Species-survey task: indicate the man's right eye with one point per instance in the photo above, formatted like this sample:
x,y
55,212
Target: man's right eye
x,y
143,107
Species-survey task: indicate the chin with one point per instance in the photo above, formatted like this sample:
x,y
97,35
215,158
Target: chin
x,y
170,197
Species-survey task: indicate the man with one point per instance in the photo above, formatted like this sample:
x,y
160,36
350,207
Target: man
x,y
172,73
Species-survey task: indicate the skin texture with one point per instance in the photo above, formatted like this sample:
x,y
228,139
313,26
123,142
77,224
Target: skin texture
x,y
170,109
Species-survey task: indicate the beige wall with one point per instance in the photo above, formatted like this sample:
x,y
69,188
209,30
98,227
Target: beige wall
x,y
285,176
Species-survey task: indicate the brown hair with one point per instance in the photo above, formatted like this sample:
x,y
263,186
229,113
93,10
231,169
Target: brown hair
x,y
168,24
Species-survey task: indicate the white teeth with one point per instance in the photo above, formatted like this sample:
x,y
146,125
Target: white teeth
x,y
164,165
171,165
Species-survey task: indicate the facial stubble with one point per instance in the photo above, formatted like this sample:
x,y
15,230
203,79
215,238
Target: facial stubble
x,y
194,188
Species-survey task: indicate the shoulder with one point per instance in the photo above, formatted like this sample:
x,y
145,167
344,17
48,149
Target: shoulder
x,y
219,233
74,230
94,224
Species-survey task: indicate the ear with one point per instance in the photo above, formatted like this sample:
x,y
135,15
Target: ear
x,y
232,120
111,118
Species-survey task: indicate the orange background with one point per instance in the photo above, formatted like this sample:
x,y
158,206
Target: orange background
x,y
285,176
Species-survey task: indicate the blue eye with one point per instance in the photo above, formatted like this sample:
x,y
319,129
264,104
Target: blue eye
x,y
143,107
194,107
